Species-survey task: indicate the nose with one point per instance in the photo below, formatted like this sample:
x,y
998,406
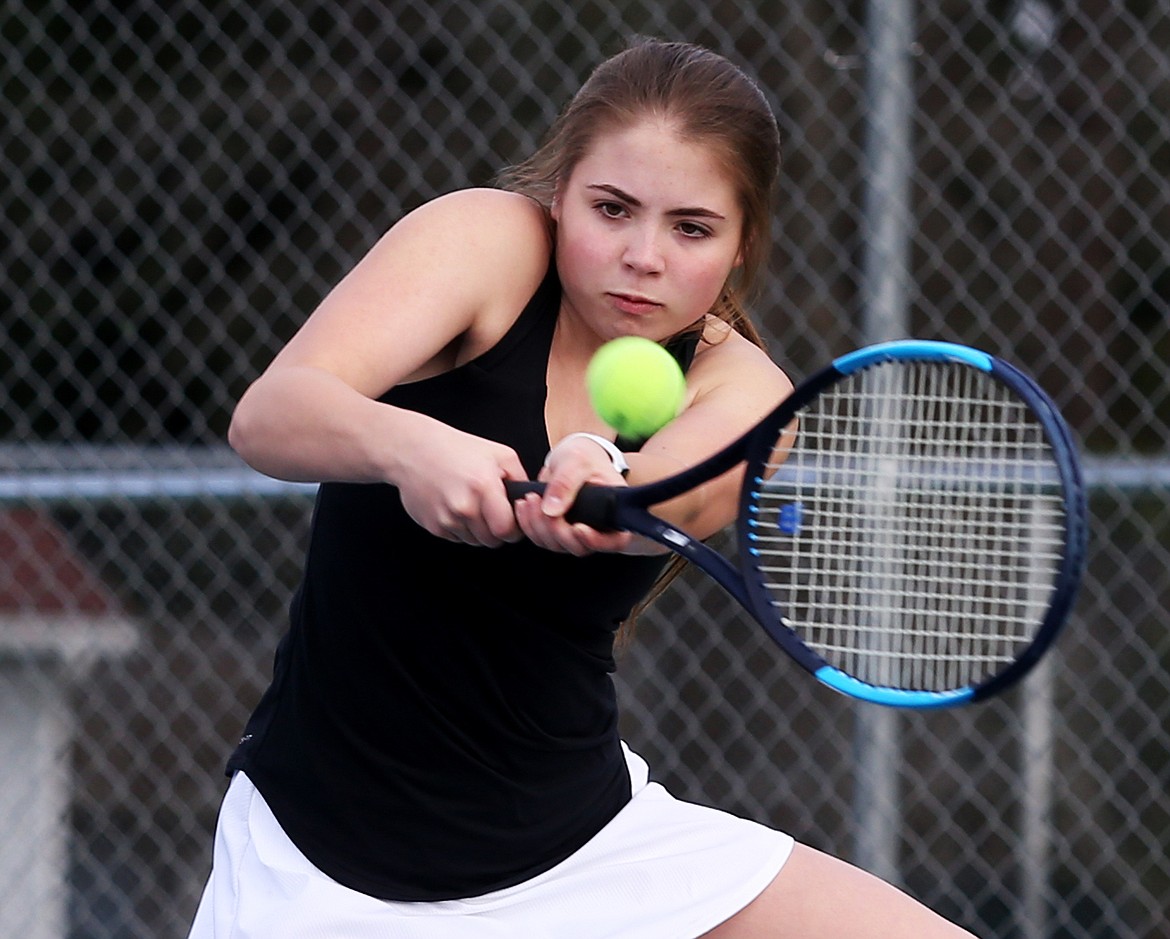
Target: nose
x,y
643,250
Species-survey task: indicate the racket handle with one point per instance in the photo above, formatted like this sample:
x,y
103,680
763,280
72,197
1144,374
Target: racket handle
x,y
517,489
595,506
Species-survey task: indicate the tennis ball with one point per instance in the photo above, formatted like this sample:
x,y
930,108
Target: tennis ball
x,y
635,386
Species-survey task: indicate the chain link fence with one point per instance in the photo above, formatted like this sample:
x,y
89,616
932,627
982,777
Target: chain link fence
x,y
183,181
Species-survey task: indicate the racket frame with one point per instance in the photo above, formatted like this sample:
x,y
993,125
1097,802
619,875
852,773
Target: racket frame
x,y
1071,487
627,508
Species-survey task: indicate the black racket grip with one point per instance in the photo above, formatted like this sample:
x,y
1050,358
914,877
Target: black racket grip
x,y
595,506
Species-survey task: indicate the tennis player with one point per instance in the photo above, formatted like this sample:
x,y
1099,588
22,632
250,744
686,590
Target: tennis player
x,y
438,752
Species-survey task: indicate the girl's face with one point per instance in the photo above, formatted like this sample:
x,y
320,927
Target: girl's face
x,y
648,230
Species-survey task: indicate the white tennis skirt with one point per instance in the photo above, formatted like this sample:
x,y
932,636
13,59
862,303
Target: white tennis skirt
x,y
662,869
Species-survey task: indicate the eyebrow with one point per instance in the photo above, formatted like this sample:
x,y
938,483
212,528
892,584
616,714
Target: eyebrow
x,y
688,211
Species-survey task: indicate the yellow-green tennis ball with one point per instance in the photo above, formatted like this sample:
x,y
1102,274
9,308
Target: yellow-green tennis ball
x,y
635,386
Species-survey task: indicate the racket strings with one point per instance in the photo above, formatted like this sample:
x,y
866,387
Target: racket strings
x,y
914,535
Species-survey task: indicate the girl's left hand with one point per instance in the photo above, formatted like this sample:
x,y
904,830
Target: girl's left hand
x,y
570,464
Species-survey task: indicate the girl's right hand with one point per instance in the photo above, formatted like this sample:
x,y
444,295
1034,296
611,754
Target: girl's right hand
x,y
451,485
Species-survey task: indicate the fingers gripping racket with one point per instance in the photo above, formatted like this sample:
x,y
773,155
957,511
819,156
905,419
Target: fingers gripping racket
x,y
920,543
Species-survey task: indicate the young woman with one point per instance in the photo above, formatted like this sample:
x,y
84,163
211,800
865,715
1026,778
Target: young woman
x,y
438,753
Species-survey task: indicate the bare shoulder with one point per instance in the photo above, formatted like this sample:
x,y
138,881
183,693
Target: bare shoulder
x,y
486,198
726,361
500,245
483,234
440,285
483,199
491,222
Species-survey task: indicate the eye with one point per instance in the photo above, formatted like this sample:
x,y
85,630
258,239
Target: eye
x,y
610,209
694,230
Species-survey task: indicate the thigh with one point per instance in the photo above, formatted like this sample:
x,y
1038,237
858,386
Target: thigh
x,y
816,895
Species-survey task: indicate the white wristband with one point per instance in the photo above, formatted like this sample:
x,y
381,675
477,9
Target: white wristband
x,y
616,456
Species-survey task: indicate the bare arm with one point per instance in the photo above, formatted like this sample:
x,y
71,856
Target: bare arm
x,y
731,386
401,315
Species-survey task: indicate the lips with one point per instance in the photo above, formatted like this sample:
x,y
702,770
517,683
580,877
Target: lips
x,y
635,304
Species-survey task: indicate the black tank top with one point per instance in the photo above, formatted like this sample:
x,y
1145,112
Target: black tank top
x,y
442,720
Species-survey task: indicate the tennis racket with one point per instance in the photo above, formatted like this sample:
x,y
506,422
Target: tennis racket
x,y
919,544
